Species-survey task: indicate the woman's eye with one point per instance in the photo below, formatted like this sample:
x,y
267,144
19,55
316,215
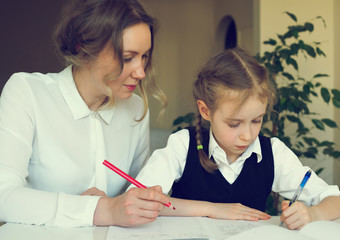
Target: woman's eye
x,y
127,59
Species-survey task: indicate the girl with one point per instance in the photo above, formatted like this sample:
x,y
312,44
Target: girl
x,y
228,171
57,128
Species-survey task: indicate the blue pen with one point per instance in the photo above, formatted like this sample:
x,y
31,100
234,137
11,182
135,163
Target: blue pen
x,y
299,189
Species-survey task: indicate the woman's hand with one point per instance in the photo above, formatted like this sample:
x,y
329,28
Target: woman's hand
x,y
94,192
296,215
134,207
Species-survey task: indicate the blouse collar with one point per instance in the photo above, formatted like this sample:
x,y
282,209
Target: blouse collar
x,y
75,102
215,149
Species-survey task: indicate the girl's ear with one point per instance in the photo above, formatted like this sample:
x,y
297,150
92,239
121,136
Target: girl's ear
x,y
204,110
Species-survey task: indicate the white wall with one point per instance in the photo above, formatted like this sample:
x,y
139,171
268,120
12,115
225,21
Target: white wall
x,y
185,40
336,29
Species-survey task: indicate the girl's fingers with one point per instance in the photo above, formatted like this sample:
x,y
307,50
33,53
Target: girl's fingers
x,y
256,213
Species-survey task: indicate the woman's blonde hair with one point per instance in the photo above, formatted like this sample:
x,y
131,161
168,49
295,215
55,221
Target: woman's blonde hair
x,y
86,27
233,73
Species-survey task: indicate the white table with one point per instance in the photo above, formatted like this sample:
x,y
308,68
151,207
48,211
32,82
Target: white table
x,y
12,231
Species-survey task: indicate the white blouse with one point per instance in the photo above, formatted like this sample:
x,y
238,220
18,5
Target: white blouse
x,y
52,147
167,165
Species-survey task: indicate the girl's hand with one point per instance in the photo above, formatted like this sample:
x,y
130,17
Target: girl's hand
x,y
134,207
297,215
236,211
94,192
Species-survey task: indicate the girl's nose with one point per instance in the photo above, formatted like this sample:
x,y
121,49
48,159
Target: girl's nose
x,y
245,134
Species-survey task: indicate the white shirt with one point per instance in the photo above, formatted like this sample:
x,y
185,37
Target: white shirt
x,y
52,147
167,165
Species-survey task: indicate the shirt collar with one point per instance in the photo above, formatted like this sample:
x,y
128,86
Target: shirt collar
x,y
75,102
255,147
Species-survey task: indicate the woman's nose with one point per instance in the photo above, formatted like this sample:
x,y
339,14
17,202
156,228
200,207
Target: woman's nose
x,y
139,72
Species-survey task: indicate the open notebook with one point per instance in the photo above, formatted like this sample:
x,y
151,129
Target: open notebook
x,y
319,230
214,229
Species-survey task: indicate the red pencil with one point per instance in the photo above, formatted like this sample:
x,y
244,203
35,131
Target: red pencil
x,y
127,177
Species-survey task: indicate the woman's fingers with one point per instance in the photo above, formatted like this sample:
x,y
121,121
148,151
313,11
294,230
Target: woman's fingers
x,y
94,192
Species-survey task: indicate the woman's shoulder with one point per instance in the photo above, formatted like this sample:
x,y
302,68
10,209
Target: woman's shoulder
x,y
21,82
23,79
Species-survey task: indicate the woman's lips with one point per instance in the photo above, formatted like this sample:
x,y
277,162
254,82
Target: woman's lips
x,y
131,87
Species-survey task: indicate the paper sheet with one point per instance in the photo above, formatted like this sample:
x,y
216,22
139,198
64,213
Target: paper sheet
x,y
215,229
182,228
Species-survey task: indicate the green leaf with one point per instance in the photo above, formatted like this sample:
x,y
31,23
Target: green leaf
x,y
336,93
320,75
189,118
336,98
309,155
326,144
306,89
282,39
291,61
270,42
294,48
329,122
336,154
317,172
323,20
318,124
292,118
284,53
309,26
292,16
267,132
320,52
288,75
309,141
178,120
313,150
336,102
310,50
325,94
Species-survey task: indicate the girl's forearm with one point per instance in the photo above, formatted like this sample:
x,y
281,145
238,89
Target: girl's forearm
x,y
187,208
327,209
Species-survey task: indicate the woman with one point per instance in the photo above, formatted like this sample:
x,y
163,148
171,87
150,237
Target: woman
x,y
56,129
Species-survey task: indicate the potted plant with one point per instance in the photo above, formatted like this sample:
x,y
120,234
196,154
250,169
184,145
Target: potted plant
x,y
296,94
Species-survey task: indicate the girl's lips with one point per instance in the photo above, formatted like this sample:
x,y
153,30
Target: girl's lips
x,y
131,87
242,147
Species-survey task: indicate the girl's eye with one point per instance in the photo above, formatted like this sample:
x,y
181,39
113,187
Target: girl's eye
x,y
233,125
257,121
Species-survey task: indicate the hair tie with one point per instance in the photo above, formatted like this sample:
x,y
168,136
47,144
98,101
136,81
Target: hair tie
x,y
199,147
